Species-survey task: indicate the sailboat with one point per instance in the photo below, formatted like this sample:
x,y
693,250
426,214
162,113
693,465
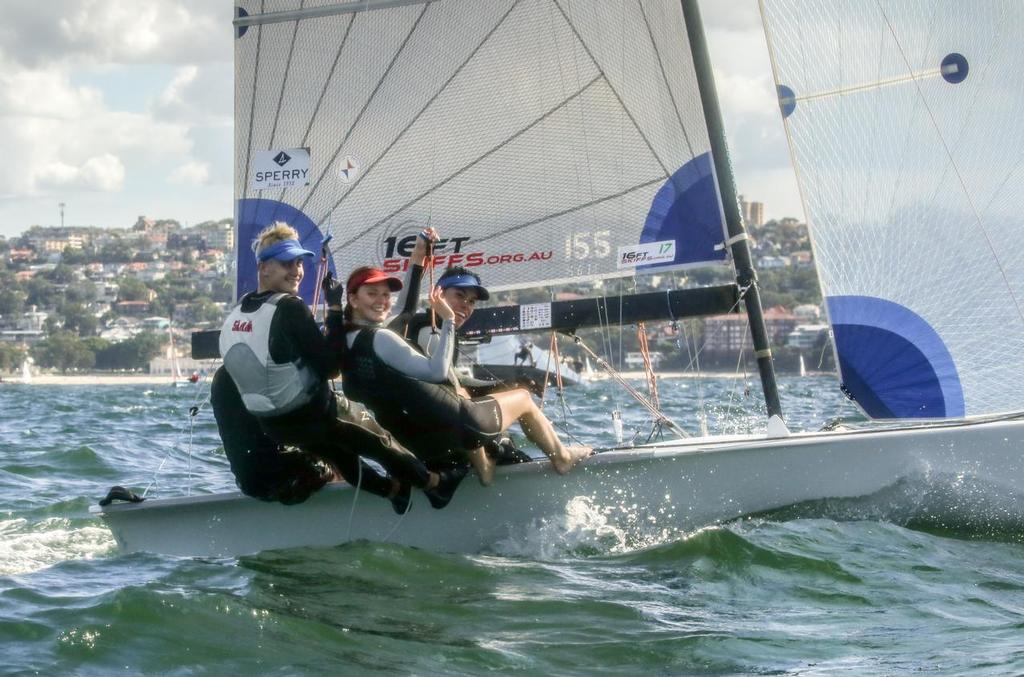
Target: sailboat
x,y
177,380
512,359
26,370
557,140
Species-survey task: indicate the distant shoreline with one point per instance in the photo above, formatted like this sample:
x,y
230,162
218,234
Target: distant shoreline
x,y
164,380
90,380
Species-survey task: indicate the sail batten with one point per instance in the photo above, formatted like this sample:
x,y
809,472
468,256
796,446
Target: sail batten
x,y
907,189
545,139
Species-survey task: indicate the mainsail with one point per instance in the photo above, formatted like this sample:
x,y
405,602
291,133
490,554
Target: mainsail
x,y
547,140
904,121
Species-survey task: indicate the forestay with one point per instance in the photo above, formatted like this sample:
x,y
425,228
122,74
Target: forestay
x,y
547,140
904,121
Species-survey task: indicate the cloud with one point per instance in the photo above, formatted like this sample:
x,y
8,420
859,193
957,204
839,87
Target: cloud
x,y
103,173
198,95
730,15
116,32
44,94
191,174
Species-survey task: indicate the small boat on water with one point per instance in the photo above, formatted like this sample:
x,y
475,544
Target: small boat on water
x,y
560,140
515,360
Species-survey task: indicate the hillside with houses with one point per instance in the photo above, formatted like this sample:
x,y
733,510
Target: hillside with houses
x,y
127,299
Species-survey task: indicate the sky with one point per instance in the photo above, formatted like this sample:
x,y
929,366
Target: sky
x,y
122,108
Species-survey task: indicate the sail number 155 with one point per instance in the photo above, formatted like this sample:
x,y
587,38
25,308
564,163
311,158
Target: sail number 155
x,y
588,245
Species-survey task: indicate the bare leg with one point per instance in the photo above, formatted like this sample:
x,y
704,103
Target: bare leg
x,y
483,465
517,405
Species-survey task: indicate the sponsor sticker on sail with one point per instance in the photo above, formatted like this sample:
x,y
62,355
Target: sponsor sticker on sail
x,y
647,253
280,168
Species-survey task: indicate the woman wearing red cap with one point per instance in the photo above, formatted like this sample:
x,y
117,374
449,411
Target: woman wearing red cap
x,y
412,395
279,365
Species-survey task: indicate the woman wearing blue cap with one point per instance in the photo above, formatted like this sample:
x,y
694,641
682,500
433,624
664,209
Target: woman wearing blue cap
x,y
412,394
280,364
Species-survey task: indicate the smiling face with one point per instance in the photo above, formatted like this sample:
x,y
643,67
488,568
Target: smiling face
x,y
371,302
462,301
281,276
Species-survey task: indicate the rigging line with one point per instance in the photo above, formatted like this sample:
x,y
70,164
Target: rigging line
x,y
960,178
323,90
603,322
252,105
470,165
430,102
636,394
366,105
174,444
664,77
355,495
570,210
611,87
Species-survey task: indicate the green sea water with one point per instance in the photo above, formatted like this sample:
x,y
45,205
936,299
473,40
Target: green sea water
x,y
916,579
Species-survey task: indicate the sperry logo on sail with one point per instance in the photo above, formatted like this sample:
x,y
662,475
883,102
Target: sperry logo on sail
x,y
242,325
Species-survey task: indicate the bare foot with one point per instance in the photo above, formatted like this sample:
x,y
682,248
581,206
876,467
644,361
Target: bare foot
x,y
573,455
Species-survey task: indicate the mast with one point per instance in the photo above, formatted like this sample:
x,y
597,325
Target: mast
x,y
746,277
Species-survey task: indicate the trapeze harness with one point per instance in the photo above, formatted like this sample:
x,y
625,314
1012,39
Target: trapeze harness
x,y
268,388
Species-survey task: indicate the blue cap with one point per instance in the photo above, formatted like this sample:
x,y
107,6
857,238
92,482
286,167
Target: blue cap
x,y
285,250
464,282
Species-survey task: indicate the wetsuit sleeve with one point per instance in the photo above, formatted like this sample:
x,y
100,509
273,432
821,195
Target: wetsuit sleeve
x,y
335,341
428,339
295,325
397,354
407,299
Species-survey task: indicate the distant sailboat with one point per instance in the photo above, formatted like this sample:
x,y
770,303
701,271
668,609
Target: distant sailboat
x,y
803,367
509,359
177,380
26,370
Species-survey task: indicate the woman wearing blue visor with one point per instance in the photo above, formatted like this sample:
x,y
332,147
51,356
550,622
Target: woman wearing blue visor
x,y
280,364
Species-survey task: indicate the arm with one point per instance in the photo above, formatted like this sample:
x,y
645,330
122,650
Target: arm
x,y
407,298
295,330
397,354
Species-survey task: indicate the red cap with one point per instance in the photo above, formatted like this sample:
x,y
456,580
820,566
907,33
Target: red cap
x,y
368,275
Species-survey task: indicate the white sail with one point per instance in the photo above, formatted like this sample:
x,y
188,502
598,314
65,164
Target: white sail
x,y
545,139
904,120
688,483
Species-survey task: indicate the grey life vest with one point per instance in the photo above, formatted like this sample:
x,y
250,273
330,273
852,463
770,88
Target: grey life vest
x,y
267,387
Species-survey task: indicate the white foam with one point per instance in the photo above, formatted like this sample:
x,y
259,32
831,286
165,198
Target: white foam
x,y
31,546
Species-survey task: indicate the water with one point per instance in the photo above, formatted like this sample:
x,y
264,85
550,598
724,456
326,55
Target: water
x,y
886,584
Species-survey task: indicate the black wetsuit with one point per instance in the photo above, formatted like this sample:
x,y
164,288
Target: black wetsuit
x,y
329,427
270,471
429,418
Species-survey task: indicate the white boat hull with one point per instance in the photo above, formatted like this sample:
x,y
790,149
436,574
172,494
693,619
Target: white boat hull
x,y
679,486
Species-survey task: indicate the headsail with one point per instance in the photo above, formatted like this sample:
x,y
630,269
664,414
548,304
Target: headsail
x,y
546,139
905,127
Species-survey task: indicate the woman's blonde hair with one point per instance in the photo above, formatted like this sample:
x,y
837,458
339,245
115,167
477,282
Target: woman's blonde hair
x,y
272,234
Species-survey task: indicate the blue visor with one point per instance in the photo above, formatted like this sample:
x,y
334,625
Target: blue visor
x,y
285,250
464,282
